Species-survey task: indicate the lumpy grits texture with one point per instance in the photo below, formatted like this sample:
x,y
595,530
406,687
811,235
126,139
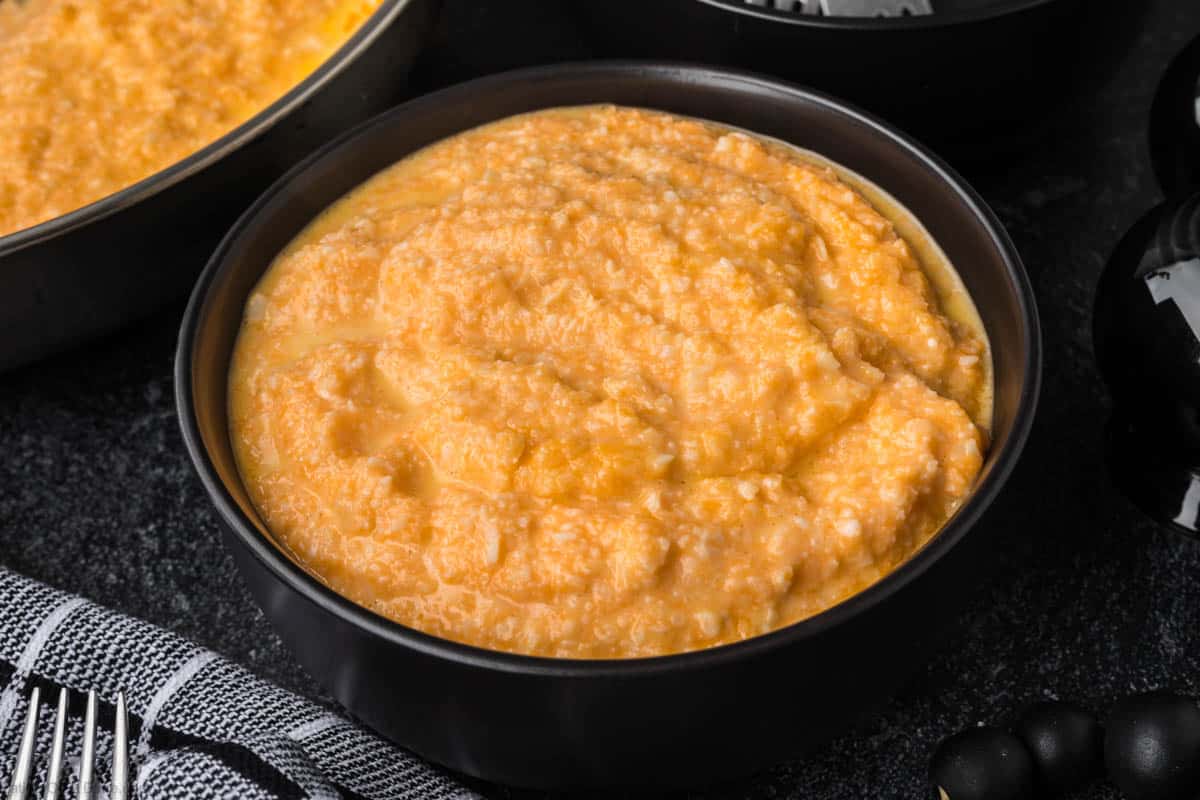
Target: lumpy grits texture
x,y
97,94
602,382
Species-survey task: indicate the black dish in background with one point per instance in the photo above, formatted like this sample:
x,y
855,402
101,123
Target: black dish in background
x,y
1175,125
1148,350
669,721
123,256
971,82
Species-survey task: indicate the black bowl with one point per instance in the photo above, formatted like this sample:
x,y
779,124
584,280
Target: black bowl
x,y
975,78
123,256
668,721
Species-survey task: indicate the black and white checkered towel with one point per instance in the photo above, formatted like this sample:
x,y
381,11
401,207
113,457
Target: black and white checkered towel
x,y
204,728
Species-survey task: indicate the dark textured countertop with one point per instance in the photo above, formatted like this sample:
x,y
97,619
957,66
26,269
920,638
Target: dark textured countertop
x,y
1088,600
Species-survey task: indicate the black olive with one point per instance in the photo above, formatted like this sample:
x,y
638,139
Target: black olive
x,y
982,764
1152,747
1066,744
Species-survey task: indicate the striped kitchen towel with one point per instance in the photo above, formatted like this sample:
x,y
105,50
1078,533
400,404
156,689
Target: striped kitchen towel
x,y
204,727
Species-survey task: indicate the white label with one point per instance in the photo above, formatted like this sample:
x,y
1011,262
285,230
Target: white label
x,y
1179,282
876,8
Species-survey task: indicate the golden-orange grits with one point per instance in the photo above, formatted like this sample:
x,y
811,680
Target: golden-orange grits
x,y
97,94
604,382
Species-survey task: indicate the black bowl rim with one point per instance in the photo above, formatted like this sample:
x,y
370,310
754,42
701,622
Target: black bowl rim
x,y
214,151
939,19
284,569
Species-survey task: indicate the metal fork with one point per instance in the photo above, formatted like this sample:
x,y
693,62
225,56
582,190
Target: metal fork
x,y
23,772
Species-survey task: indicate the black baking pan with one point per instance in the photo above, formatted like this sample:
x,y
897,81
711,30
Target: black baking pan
x,y
123,256
652,722
974,79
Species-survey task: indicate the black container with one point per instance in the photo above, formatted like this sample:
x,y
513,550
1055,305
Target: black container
x,y
123,256
1175,125
653,722
1147,342
975,78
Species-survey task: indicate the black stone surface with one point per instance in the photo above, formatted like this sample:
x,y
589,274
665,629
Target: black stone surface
x,y
1088,600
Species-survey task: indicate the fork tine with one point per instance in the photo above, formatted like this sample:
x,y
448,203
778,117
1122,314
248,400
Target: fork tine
x,y
87,759
23,771
54,769
120,761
